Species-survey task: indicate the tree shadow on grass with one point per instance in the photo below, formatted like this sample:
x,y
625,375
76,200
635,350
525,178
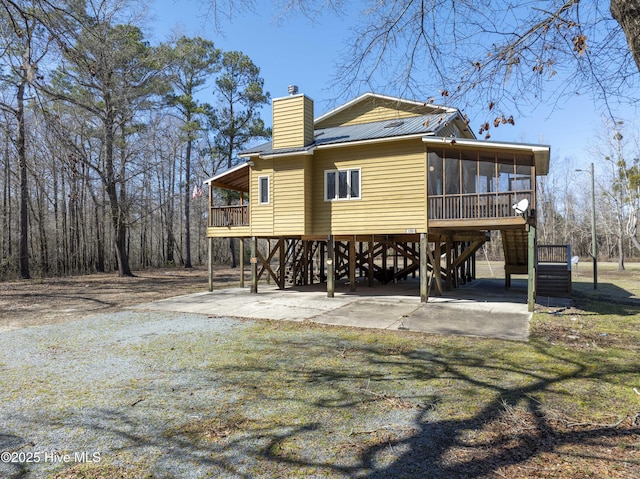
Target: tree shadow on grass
x,y
329,404
509,430
530,431
10,466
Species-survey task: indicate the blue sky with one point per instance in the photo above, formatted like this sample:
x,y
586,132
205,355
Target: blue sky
x,y
304,53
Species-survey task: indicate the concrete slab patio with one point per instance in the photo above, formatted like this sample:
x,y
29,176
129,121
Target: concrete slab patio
x,y
481,308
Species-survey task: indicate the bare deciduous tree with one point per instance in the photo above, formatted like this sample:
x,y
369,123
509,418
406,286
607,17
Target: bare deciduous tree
x,y
505,55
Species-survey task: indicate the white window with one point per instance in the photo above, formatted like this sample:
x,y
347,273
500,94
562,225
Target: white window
x,y
263,190
342,184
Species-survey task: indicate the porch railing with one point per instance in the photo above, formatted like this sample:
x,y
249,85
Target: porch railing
x,y
475,205
554,254
237,215
553,270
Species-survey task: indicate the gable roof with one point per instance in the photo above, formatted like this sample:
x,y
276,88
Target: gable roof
x,y
371,100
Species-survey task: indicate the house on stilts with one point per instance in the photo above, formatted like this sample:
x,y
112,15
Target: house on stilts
x,y
376,190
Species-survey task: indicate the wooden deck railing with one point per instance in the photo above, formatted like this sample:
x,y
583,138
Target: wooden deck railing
x,y
237,215
553,270
447,207
475,205
555,253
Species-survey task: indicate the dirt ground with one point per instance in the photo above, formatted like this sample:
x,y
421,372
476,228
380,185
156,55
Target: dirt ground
x,y
37,302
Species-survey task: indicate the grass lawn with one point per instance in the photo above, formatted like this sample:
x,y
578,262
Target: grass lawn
x,y
302,400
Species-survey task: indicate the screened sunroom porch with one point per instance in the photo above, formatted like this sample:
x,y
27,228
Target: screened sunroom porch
x,y
474,187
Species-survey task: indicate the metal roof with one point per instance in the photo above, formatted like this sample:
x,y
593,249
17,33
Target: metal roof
x,y
423,124
256,149
431,124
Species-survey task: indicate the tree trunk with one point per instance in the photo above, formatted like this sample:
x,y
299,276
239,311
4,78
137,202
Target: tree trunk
x,y
24,191
7,248
627,13
42,232
99,241
166,182
620,242
64,225
187,204
635,242
620,253
97,225
117,213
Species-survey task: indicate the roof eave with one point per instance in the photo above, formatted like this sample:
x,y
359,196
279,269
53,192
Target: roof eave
x,y
275,154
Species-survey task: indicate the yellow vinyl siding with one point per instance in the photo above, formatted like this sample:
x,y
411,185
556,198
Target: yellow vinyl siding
x,y
379,113
261,216
292,122
309,128
308,194
288,196
375,109
286,212
393,190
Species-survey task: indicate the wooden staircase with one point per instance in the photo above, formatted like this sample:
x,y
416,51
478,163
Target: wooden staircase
x,y
299,260
515,244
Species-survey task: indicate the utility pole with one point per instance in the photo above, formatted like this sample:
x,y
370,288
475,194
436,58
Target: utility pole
x,y
594,242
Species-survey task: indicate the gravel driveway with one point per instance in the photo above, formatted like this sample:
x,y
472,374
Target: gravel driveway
x,y
139,394
95,388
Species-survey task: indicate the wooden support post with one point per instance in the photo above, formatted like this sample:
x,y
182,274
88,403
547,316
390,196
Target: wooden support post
x,y
352,264
384,262
323,249
395,262
268,253
473,267
210,260
413,273
331,264
405,260
283,264
424,281
531,269
448,250
437,270
310,255
254,265
242,262
305,262
371,257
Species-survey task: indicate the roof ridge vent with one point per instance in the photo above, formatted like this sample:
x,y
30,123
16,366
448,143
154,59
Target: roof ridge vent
x,y
394,124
